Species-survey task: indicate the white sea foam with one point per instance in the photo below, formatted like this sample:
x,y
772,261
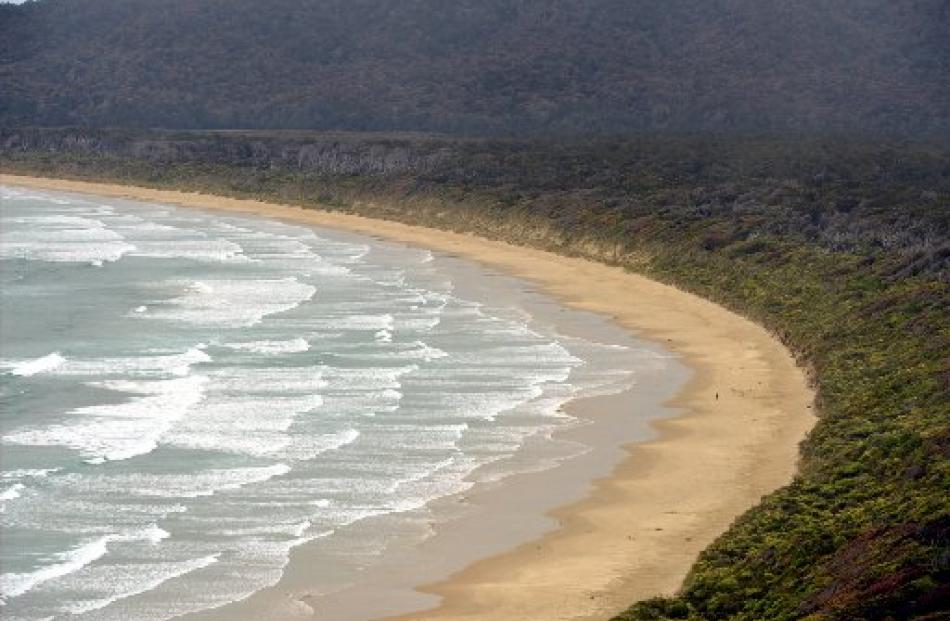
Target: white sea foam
x,y
301,447
70,513
45,364
285,248
10,493
127,581
294,530
120,431
256,426
217,250
258,563
16,584
194,485
419,494
376,323
269,380
155,240
430,436
367,379
154,535
39,473
56,238
233,303
528,356
416,350
310,447
368,403
417,321
291,346
156,365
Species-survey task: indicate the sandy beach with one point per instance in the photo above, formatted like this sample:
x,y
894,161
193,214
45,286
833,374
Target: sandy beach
x,y
743,414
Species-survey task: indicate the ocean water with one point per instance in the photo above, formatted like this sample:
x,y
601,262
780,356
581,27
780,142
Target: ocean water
x,y
185,398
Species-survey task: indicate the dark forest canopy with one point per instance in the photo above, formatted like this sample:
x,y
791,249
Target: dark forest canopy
x,y
481,66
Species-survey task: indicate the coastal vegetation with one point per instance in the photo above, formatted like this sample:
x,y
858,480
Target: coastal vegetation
x,y
840,247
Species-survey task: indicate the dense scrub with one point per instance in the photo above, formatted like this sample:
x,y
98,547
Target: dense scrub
x,y
480,67
842,249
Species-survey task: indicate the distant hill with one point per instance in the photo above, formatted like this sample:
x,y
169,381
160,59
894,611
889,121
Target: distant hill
x,y
481,66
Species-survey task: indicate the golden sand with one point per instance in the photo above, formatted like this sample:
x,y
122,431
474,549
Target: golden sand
x,y
742,416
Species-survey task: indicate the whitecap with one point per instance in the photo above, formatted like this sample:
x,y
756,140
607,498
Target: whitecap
x,y
16,584
212,250
40,473
304,447
155,575
71,561
70,239
194,485
233,303
417,350
291,346
124,430
10,493
269,380
155,535
376,323
296,530
369,379
45,364
249,425
157,365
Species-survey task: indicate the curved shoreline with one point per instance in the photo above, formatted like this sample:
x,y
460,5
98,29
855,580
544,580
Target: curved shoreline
x,y
640,529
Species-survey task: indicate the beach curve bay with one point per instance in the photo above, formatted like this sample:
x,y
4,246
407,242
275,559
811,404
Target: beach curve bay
x,y
190,397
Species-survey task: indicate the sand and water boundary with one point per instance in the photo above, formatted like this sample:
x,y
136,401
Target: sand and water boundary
x,y
636,533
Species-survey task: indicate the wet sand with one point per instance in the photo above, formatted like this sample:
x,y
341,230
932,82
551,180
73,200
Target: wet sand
x,y
638,530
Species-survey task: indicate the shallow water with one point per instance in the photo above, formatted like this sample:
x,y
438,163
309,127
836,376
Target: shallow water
x,y
188,397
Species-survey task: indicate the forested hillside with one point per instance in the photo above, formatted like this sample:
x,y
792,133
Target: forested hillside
x,y
480,66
